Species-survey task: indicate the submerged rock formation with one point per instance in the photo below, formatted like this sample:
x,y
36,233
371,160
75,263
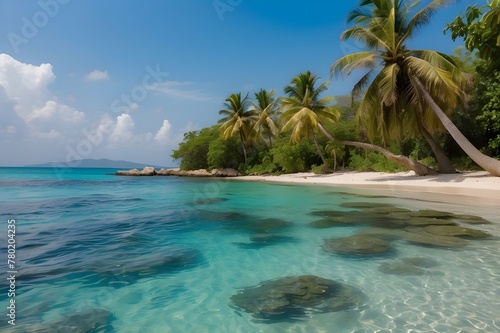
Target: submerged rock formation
x,y
357,245
92,320
290,297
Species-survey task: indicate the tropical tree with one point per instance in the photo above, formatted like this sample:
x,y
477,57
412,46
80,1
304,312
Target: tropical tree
x,y
267,112
305,114
392,107
238,119
480,28
303,109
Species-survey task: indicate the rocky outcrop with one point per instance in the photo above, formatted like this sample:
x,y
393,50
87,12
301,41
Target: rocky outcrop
x,y
149,171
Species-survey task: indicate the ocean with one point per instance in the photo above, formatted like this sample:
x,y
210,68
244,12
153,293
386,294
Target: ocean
x,y
96,252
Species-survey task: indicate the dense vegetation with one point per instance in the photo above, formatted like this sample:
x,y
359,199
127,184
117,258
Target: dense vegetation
x,y
398,117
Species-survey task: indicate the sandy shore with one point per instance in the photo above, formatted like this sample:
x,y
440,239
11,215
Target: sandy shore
x,y
471,187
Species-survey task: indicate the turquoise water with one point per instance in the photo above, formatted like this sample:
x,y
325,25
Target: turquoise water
x,y
165,254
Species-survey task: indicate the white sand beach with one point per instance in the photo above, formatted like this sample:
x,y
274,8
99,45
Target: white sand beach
x,y
468,186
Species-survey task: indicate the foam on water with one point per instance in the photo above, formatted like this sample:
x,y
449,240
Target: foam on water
x,y
166,255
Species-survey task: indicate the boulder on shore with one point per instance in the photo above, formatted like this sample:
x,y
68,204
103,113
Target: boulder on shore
x,y
149,171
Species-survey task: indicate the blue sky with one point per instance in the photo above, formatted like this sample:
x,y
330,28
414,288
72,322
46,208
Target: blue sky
x,y
125,79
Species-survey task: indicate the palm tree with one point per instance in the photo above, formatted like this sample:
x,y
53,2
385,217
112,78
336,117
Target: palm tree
x,y
303,109
238,118
305,113
392,107
487,163
267,112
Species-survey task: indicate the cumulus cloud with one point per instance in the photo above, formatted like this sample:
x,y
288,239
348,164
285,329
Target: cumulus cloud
x,y
163,134
97,75
123,130
25,88
52,110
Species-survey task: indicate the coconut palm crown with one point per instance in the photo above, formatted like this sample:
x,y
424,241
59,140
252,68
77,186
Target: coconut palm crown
x,y
393,107
267,111
304,110
238,119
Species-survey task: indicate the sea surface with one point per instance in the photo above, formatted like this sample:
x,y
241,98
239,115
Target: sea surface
x,y
101,253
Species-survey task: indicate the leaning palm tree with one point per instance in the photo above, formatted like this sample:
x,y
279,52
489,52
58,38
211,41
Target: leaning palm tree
x,y
392,107
305,114
303,109
267,111
238,118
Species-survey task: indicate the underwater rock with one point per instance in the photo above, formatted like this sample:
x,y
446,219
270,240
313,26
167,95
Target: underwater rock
x,y
408,266
428,239
363,205
262,240
227,216
426,221
268,238
420,262
447,230
206,201
128,270
400,268
328,213
93,320
258,226
432,214
471,219
385,210
338,221
358,244
288,297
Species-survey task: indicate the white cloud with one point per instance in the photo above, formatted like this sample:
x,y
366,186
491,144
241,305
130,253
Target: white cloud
x,y
54,110
97,75
123,130
25,89
163,134
182,90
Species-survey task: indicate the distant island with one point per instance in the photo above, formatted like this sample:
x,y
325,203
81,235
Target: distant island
x,y
94,163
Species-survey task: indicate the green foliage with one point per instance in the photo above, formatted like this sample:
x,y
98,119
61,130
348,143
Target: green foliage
x,y
488,96
193,150
266,166
480,28
465,163
294,158
372,161
320,169
223,154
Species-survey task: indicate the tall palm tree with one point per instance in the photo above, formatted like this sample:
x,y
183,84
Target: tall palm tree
x,y
267,111
238,118
392,107
303,109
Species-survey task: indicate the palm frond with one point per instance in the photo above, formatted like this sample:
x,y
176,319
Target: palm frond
x,y
350,62
421,18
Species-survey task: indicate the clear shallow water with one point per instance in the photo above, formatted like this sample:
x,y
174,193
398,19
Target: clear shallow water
x,y
166,255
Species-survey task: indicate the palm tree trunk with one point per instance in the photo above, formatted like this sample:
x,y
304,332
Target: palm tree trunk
x,y
243,145
319,150
418,168
444,163
487,163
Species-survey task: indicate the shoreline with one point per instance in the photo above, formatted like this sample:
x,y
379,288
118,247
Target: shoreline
x,y
469,187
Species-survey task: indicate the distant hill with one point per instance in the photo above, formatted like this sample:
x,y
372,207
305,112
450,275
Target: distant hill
x,y
93,163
